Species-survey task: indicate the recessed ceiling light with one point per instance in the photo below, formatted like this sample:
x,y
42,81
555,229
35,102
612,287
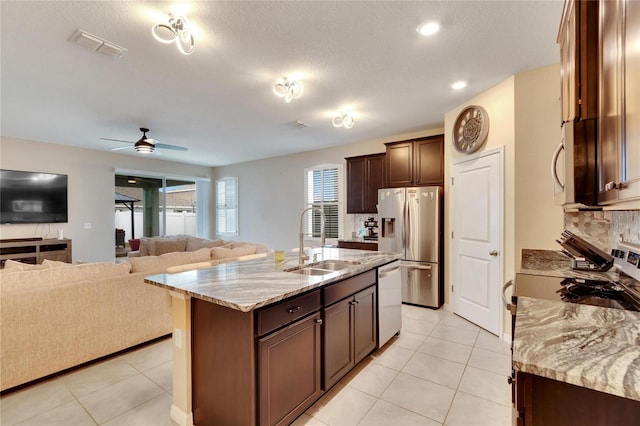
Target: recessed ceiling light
x,y
459,85
429,28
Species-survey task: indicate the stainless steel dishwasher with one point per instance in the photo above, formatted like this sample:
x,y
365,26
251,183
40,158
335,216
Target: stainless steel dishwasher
x,y
389,302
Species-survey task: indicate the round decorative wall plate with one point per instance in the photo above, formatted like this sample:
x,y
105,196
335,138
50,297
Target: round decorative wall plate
x,y
470,129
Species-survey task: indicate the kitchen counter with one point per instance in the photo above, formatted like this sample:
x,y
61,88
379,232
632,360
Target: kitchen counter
x,y
360,240
555,264
592,347
245,286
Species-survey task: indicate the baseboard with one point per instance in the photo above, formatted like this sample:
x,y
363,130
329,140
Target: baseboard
x,y
180,417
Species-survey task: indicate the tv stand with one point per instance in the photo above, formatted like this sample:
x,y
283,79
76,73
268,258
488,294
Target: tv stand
x,y
35,250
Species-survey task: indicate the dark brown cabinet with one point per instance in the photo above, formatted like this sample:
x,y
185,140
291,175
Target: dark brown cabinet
x,y
545,402
289,371
418,162
357,245
619,124
349,328
365,175
578,41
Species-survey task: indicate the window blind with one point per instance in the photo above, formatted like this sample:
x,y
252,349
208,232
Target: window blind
x,y
323,191
227,206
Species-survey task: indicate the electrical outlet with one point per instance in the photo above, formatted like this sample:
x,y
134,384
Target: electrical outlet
x,y
88,225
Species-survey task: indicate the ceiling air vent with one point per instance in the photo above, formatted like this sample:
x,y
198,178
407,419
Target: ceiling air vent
x,y
300,124
97,44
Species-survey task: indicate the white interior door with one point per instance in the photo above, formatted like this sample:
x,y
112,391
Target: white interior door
x,y
477,194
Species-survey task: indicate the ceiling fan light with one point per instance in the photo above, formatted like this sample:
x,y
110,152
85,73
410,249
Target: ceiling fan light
x,y
143,146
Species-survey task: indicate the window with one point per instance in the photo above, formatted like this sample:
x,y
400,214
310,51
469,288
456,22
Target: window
x,y
322,190
227,206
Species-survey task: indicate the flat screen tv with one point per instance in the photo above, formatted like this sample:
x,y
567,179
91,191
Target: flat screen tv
x,y
32,197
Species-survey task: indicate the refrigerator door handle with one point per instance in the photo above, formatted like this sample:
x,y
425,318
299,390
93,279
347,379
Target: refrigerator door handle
x,y
405,219
426,267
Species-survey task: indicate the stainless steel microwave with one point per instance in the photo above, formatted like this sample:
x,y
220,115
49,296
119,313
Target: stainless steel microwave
x,y
574,165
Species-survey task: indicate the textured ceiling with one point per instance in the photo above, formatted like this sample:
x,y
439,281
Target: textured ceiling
x,y
218,101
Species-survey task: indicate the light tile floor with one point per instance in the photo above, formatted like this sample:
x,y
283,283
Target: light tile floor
x,y
441,370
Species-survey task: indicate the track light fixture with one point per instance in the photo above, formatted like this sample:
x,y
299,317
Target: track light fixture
x,y
287,89
344,119
178,30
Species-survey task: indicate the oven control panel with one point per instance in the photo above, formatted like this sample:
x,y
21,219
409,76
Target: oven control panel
x,y
627,259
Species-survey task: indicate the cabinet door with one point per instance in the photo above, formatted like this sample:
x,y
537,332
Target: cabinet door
x,y
289,375
631,148
429,161
355,185
374,180
365,323
399,164
610,106
567,42
338,341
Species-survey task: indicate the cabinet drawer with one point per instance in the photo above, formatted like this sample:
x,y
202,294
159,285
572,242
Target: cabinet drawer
x,y
287,311
348,287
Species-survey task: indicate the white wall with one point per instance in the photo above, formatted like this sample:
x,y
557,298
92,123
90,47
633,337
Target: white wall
x,y
271,191
537,101
91,190
524,114
499,104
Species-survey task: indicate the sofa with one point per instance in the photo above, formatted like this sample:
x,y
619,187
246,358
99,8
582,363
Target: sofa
x,y
155,246
56,316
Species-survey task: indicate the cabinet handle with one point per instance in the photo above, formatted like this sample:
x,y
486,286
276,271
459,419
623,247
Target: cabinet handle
x,y
318,321
294,309
554,164
609,186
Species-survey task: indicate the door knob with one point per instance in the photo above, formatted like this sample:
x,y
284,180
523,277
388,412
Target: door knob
x,y
493,253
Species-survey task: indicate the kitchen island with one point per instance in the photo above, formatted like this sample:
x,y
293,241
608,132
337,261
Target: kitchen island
x,y
257,342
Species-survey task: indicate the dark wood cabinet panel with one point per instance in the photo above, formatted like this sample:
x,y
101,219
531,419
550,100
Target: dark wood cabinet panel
x,y
417,162
375,179
350,329
289,372
365,323
365,175
546,402
356,245
338,341
429,161
400,164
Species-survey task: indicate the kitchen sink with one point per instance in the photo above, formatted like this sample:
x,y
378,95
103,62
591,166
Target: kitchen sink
x,y
323,267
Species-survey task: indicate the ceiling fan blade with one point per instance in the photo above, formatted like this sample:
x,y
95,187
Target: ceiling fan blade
x,y
174,147
121,148
116,140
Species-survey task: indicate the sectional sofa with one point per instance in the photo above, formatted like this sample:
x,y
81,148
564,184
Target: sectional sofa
x,y
56,316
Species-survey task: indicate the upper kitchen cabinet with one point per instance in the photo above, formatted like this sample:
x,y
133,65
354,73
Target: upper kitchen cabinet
x,y
365,175
578,40
619,103
417,162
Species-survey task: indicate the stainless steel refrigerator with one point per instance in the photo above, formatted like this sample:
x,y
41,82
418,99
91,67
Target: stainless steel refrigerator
x,y
411,223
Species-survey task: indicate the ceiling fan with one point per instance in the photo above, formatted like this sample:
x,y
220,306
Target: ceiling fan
x,y
145,144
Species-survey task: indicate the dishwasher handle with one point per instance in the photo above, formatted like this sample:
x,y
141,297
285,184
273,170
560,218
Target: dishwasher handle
x,y
385,272
508,306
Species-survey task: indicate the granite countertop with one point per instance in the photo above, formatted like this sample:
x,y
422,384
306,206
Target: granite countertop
x,y
359,240
555,264
251,284
588,346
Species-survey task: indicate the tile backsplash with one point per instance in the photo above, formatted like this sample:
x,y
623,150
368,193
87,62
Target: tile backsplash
x,y
603,228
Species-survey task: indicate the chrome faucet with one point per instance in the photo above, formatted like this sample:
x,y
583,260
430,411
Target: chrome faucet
x,y
302,256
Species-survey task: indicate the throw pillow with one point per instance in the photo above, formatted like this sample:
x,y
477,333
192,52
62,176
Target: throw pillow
x,y
228,253
55,263
169,246
14,265
134,244
195,243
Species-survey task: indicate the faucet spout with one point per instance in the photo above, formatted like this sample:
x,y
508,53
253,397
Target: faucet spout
x,y
302,256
